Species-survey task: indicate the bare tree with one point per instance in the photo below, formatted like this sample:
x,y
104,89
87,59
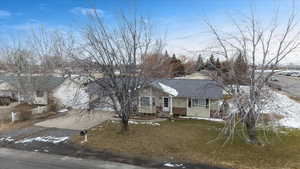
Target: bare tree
x,y
262,47
34,58
118,53
51,48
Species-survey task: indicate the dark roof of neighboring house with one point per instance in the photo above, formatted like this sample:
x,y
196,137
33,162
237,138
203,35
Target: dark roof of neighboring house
x,y
43,83
97,86
200,88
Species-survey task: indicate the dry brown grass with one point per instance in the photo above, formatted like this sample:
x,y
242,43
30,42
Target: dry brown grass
x,y
5,126
295,98
190,141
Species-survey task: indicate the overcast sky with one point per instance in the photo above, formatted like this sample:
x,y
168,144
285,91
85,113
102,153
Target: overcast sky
x,y
180,21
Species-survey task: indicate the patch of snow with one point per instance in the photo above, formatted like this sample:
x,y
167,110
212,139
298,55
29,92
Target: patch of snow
x,y
288,108
104,108
62,110
132,122
279,104
168,89
46,139
7,139
169,164
144,122
150,123
202,118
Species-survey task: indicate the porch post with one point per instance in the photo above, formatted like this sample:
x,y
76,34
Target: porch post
x,y
171,106
151,101
209,108
19,97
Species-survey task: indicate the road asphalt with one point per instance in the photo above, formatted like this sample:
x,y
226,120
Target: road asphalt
x,y
289,84
17,159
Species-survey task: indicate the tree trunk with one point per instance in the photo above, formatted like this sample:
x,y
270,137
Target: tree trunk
x,y
251,128
125,117
124,126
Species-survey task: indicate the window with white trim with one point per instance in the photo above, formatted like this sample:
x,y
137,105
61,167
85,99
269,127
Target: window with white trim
x,y
145,101
196,102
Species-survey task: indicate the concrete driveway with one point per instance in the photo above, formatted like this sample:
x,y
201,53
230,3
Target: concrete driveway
x,y
78,120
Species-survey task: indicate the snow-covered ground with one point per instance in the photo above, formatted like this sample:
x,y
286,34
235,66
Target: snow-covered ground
x,y
280,104
288,108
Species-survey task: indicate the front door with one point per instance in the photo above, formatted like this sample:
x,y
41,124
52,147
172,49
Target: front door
x,y
166,104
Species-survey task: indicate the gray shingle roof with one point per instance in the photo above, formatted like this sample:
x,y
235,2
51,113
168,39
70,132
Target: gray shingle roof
x,y
43,83
200,88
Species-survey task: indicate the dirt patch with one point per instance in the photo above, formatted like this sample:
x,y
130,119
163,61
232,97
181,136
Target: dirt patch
x,y
271,117
297,99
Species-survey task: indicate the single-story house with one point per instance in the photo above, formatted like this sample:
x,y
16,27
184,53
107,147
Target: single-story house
x,y
167,97
25,88
181,97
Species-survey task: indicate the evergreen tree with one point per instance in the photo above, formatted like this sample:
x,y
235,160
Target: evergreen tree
x,y
166,54
174,56
200,64
218,64
212,59
211,63
241,68
177,68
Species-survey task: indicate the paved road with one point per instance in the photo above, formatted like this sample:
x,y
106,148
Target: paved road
x,y
289,84
16,159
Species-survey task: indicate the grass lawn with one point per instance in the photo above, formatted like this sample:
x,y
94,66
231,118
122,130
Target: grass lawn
x,y
190,141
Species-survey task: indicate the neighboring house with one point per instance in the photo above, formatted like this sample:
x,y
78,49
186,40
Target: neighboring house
x,y
181,97
7,93
98,98
204,74
34,89
72,93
